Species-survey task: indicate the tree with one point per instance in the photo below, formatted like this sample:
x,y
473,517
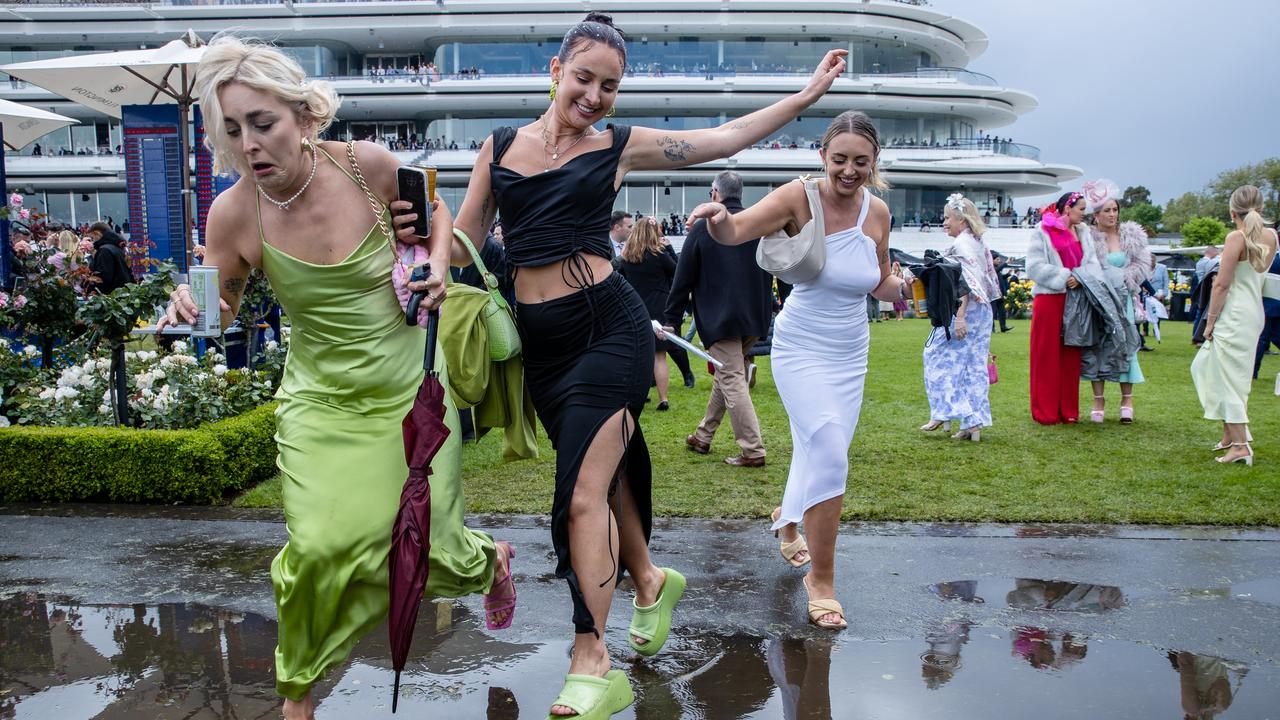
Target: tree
x,y
1181,209
1200,231
1134,196
1265,175
1145,214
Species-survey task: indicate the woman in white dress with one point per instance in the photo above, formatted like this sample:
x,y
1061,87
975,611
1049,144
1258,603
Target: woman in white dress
x,y
955,367
820,339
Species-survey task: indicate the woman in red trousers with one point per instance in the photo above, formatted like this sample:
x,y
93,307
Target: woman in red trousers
x,y
1060,244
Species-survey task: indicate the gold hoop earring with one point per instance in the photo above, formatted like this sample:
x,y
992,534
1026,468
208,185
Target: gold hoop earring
x,y
552,95
306,144
613,110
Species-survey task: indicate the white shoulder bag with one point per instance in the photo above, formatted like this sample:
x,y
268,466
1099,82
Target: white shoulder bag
x,y
797,259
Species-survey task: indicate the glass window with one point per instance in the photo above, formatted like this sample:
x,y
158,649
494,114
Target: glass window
x,y
59,207
114,205
86,207
670,200
84,139
639,199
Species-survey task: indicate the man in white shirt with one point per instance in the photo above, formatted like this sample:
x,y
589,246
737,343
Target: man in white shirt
x,y
620,224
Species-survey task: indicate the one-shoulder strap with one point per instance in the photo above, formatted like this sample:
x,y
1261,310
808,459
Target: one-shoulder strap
x,y
502,139
866,204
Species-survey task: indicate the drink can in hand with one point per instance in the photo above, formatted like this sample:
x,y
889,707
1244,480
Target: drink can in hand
x,y
204,291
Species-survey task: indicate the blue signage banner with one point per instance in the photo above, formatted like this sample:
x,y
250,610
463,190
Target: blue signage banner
x,y
208,186
153,181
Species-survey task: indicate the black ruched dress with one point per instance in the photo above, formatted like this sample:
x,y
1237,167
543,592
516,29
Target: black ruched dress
x,y
589,354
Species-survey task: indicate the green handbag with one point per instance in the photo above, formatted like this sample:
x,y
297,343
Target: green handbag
x,y
504,339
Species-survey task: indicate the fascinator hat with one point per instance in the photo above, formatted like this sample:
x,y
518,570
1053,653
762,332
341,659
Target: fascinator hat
x,y
1098,192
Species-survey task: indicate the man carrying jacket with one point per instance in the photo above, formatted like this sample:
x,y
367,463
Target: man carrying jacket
x,y
732,305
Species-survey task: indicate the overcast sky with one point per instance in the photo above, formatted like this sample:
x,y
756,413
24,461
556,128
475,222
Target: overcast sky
x,y
1161,93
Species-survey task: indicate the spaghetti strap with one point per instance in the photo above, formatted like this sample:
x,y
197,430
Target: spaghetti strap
x,y
257,207
862,214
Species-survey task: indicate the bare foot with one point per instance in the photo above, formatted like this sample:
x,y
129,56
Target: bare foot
x,y
647,591
501,591
304,709
589,658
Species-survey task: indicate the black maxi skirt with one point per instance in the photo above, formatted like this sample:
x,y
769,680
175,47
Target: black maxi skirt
x,y
586,356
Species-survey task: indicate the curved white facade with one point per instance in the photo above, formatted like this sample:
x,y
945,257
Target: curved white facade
x,y
693,63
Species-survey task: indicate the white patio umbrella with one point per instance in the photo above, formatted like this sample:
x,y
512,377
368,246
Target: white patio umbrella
x,y
108,81
23,125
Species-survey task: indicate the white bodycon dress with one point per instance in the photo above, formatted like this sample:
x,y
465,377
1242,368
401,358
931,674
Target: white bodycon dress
x,y
820,343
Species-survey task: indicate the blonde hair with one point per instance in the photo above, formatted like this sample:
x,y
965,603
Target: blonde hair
x,y
853,121
1246,203
967,212
264,68
69,243
643,240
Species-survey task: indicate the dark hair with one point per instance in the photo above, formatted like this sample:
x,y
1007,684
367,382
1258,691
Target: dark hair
x,y
596,27
1065,201
617,217
100,226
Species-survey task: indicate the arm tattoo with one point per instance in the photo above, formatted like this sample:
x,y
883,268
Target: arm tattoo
x,y
233,286
741,125
884,255
484,210
675,150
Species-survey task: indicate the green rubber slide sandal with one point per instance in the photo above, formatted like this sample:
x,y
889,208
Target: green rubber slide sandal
x,y
653,623
594,698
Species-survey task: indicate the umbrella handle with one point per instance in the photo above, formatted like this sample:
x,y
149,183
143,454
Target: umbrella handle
x,y
433,327
420,274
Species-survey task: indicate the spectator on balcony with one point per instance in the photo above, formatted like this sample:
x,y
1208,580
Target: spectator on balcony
x,y
37,150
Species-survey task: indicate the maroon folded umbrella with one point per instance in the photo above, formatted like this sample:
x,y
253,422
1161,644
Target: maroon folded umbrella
x,y
424,434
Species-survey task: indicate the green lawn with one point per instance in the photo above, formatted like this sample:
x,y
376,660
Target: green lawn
x,y
1158,470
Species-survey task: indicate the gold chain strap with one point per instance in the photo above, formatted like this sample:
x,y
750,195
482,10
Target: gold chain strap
x,y
373,201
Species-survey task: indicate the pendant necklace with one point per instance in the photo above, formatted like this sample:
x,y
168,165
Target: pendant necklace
x,y
556,152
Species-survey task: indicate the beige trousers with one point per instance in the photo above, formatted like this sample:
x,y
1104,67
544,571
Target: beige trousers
x,y
729,392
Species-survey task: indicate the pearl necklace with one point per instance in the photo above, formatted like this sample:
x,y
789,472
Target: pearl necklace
x,y
285,205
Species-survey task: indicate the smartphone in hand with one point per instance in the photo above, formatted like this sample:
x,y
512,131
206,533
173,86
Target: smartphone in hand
x,y
414,187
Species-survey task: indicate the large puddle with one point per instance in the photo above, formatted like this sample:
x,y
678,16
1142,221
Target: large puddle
x,y
68,661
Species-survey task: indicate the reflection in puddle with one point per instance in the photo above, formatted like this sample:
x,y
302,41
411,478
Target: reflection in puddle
x,y
1033,594
72,661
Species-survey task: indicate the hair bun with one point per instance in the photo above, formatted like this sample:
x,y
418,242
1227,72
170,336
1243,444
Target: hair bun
x,y
601,18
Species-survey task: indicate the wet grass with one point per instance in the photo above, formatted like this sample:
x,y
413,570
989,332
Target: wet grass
x,y
1158,470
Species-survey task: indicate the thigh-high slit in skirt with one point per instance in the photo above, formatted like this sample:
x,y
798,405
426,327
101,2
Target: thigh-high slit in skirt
x,y
587,356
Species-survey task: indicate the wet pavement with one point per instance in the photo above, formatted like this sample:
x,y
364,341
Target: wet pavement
x,y
167,613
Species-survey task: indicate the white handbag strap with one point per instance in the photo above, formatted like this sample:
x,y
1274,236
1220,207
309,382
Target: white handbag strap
x,y
815,204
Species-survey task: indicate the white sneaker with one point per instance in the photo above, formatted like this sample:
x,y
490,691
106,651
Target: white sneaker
x,y
751,376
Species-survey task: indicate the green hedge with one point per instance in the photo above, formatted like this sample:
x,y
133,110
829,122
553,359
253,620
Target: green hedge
x,y
200,466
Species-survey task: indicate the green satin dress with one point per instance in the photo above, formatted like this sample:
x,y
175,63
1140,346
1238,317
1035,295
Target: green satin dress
x,y
352,372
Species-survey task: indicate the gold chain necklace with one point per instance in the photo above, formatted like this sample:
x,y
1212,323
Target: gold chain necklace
x,y
555,152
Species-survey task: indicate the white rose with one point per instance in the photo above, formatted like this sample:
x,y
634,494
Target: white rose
x,y
104,409
158,374
30,350
179,346
219,370
64,393
143,380
271,346
47,394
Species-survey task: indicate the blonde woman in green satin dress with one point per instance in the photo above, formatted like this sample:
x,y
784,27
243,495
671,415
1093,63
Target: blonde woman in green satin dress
x,y
354,366
1223,368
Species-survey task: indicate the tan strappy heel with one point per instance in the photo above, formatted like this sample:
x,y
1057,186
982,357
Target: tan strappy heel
x,y
792,549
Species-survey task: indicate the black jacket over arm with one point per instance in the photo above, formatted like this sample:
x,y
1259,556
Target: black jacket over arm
x,y
731,295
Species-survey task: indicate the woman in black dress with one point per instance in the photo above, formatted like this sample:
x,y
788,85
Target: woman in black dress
x,y
586,334
649,265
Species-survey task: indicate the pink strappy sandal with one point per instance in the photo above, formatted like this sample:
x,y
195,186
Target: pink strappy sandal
x,y
501,596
